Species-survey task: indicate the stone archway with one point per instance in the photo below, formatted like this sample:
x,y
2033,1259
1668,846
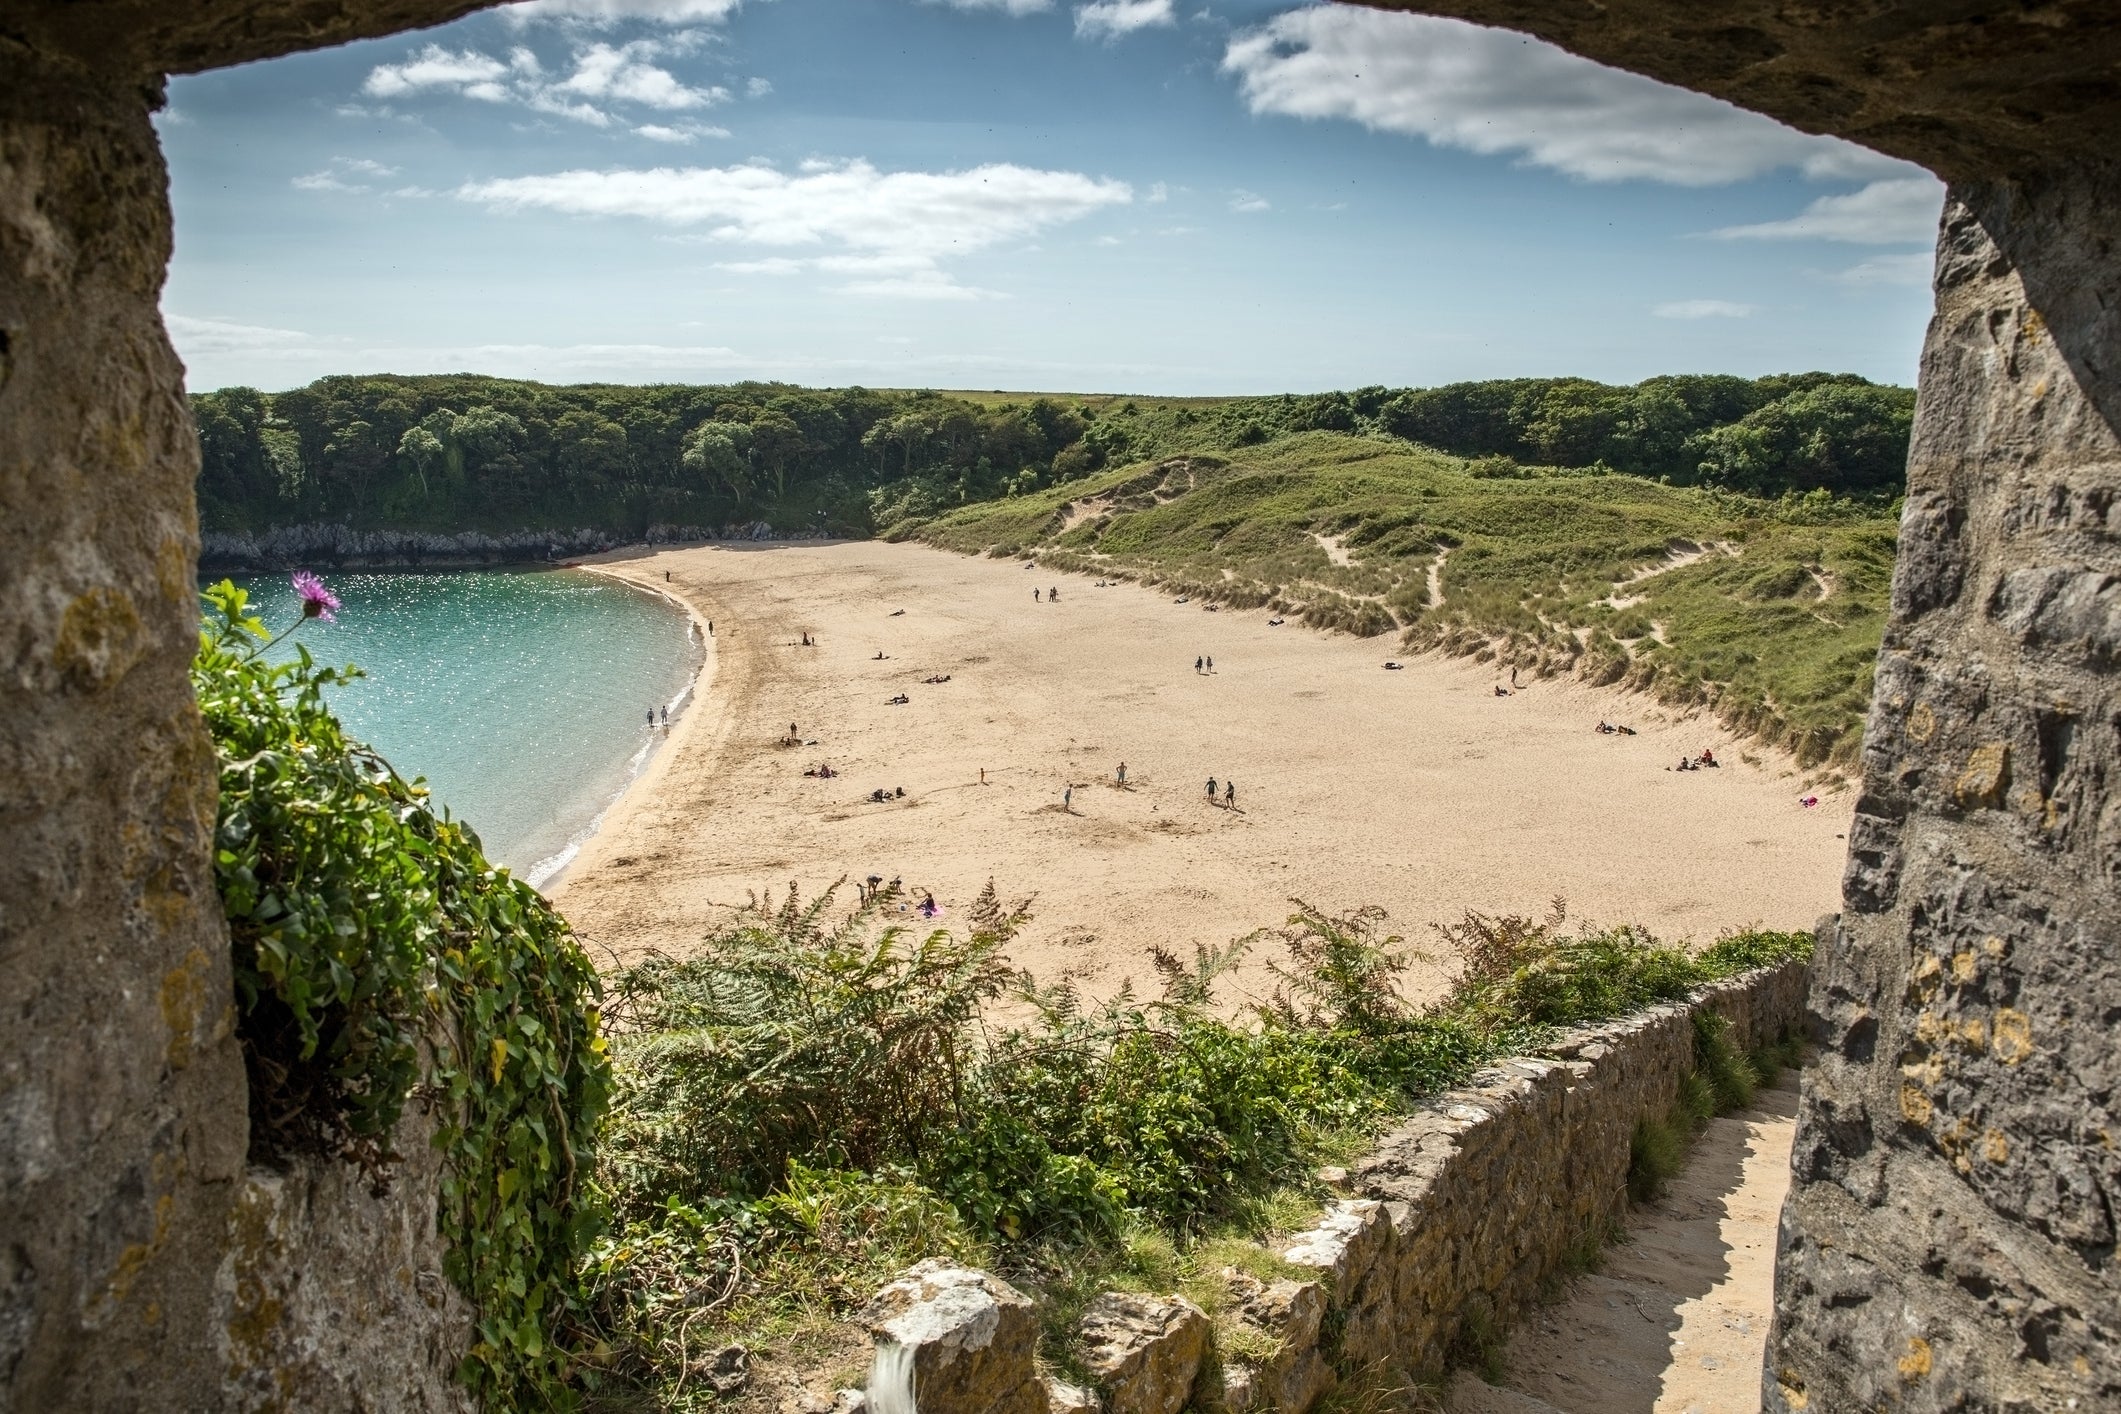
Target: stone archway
x,y
1950,1239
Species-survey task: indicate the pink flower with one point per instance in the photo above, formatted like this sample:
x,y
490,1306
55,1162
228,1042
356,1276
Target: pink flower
x,y
317,601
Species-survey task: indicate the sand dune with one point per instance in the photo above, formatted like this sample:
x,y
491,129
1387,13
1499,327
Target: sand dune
x,y
1420,790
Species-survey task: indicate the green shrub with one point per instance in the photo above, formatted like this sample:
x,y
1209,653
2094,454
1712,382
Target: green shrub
x,y
375,950
1754,947
1656,1154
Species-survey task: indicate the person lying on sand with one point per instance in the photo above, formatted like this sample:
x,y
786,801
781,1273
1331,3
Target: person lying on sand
x,y
1211,608
1809,801
896,612
1706,758
1604,730
881,655
1501,691
1183,599
1686,763
823,773
899,701
1393,665
1276,623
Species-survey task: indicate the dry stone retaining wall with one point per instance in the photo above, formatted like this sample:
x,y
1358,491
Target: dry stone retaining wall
x,y
1471,1206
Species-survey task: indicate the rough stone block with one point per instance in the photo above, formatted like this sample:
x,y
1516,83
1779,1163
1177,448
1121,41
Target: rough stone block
x,y
953,1340
1144,1350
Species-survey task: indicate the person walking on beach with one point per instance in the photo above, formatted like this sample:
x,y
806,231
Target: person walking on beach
x,y
1068,797
1053,595
1211,662
1034,596
1196,664
1211,790
1122,775
651,719
983,775
1229,795
666,716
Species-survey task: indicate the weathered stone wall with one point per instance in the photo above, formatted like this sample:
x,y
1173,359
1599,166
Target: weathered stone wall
x,y
331,1295
142,1267
1467,1211
1475,1203
1950,1240
122,1112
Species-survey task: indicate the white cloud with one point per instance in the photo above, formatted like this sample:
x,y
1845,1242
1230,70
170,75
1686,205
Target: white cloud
x,y
343,174
897,227
771,265
1891,212
1914,267
1113,19
434,67
1704,309
1242,200
1007,7
681,132
757,88
1108,241
196,338
607,12
602,71
1492,91
1158,193
601,74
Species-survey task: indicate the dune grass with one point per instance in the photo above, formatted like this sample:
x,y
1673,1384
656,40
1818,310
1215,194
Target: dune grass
x,y
1767,611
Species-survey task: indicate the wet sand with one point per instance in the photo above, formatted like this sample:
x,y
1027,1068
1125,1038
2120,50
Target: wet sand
x,y
1419,790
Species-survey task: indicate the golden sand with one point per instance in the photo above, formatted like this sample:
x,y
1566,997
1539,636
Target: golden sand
x,y
1419,790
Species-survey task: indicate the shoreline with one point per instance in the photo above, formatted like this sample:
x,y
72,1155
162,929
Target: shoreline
x,y
1417,790
548,875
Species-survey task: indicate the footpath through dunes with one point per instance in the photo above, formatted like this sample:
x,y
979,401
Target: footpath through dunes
x,y
1420,791
1675,1319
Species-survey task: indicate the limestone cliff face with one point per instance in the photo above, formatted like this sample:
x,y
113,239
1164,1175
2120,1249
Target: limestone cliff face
x,y
122,1111
1951,1233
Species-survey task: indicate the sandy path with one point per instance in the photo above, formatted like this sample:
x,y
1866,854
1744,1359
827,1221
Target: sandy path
x,y
1676,1320
1416,790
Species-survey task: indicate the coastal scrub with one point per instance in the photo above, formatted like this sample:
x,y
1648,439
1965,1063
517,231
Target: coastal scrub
x,y
812,1099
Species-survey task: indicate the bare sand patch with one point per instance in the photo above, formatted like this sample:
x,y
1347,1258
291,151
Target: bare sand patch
x,y
1417,790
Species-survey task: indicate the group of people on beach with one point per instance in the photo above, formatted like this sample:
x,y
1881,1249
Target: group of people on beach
x,y
873,889
1608,729
1052,595
1229,797
652,721
1204,664
1706,761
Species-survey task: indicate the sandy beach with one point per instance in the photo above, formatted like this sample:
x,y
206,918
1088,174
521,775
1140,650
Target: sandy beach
x,y
1419,790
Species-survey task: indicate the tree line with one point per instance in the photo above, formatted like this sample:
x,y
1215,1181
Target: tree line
x,y
468,452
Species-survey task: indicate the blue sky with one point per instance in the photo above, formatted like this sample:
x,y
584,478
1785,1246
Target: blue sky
x,y
1153,196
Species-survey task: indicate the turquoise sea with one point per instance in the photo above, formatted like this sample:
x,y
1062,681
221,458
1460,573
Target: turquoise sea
x,y
520,695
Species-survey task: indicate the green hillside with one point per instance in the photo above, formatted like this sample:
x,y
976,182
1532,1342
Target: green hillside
x,y
1767,610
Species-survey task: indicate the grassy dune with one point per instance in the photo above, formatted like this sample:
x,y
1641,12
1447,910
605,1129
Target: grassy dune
x,y
1769,612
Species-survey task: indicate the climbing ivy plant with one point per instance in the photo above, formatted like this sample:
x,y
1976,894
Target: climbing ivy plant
x,y
377,956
